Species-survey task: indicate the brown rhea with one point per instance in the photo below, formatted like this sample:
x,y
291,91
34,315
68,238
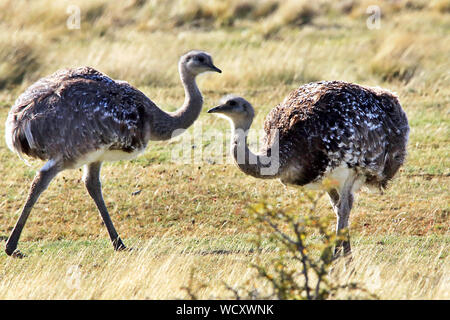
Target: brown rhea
x,y
81,117
352,134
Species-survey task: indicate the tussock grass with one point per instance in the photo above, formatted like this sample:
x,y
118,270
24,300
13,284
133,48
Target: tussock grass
x,y
19,59
293,13
398,58
441,6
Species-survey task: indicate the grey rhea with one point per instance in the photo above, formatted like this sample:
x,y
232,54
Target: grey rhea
x,y
81,117
353,134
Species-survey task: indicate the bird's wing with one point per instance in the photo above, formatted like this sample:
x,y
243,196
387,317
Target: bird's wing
x,y
78,115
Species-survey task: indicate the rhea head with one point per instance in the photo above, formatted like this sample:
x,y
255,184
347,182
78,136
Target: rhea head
x,y
237,110
195,62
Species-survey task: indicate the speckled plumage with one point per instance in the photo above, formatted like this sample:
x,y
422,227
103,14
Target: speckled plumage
x,y
351,134
325,125
76,111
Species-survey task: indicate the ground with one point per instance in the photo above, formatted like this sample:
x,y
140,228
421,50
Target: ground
x,y
192,216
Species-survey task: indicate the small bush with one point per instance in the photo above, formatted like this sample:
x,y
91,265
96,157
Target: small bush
x,y
300,256
305,244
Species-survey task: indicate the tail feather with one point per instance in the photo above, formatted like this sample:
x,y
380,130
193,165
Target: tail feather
x,y
17,139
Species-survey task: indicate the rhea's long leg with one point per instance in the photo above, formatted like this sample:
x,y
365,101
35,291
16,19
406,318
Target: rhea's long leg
x,y
342,205
333,194
39,184
345,206
94,187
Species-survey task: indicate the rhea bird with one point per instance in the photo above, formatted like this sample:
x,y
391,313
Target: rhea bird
x,y
81,117
352,134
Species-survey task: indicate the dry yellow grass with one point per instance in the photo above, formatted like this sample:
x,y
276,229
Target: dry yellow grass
x,y
161,267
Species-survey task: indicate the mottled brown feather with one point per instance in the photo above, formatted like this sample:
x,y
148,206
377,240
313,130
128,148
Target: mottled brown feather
x,y
76,111
324,125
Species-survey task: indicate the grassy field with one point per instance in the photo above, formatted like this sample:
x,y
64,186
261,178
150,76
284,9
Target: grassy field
x,y
192,216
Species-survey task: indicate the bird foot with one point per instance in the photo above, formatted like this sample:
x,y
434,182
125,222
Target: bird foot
x,y
123,248
17,254
119,246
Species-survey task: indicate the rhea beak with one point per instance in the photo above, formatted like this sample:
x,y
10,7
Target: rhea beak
x,y
219,109
215,69
214,110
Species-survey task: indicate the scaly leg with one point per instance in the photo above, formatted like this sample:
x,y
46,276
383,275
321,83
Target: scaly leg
x,y
94,187
342,203
345,206
39,184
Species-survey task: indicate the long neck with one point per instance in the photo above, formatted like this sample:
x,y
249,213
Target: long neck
x,y
184,117
170,124
264,166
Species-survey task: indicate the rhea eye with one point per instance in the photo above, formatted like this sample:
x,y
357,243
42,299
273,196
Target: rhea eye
x,y
201,59
232,103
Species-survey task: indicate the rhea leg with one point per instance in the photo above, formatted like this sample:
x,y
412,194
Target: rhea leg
x,y
342,204
345,206
94,187
39,184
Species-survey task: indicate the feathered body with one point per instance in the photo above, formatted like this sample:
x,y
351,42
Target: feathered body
x,y
352,134
80,116
323,126
75,112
